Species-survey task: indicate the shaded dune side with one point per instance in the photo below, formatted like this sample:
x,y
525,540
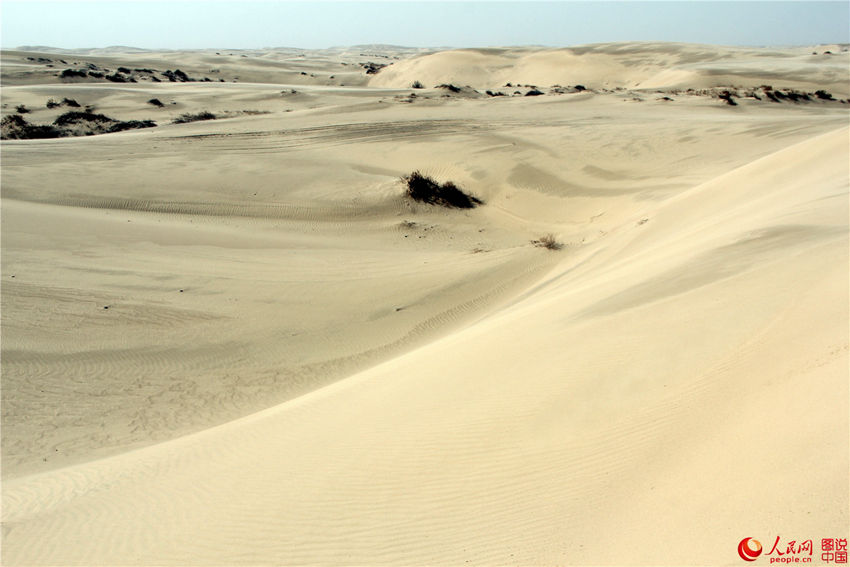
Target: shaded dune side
x,y
523,437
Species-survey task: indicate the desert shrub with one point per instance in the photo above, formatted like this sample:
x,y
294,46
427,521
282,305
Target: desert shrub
x,y
823,95
75,117
424,189
449,87
371,68
156,102
548,241
496,93
189,117
53,104
124,70
71,74
534,92
417,85
70,102
15,127
727,96
131,125
176,76
580,88
22,109
116,78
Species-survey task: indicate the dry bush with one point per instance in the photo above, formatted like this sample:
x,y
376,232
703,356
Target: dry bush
x,y
548,241
189,117
424,189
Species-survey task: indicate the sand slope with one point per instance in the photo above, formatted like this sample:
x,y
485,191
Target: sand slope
x,y
349,378
634,65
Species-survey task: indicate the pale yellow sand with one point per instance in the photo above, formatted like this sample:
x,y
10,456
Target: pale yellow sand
x,y
350,378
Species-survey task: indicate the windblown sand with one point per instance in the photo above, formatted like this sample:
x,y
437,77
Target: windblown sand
x,y
237,341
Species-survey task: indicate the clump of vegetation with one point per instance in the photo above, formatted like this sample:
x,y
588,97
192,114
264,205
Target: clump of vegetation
x,y
494,93
75,123
72,74
22,109
417,85
131,125
53,104
70,102
534,92
177,76
119,78
823,95
156,102
189,117
727,96
449,87
15,127
548,241
75,117
424,189
371,68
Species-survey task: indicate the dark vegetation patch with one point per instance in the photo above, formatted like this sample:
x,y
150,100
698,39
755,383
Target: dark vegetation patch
x,y
70,102
131,125
156,102
425,190
15,127
76,117
74,123
72,74
496,93
534,92
372,68
449,87
177,76
189,117
22,109
415,85
119,78
727,96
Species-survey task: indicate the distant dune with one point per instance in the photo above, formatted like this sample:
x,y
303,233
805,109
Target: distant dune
x,y
629,65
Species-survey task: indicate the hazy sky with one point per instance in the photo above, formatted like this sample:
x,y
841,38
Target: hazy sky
x,y
255,24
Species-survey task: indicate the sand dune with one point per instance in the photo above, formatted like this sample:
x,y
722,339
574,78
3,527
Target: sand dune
x,y
644,65
236,341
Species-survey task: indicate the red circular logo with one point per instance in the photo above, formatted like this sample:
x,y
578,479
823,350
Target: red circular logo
x,y
749,549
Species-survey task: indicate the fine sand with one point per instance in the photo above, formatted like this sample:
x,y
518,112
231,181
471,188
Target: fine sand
x,y
237,342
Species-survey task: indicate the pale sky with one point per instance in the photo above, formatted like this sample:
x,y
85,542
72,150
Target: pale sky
x,y
256,24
